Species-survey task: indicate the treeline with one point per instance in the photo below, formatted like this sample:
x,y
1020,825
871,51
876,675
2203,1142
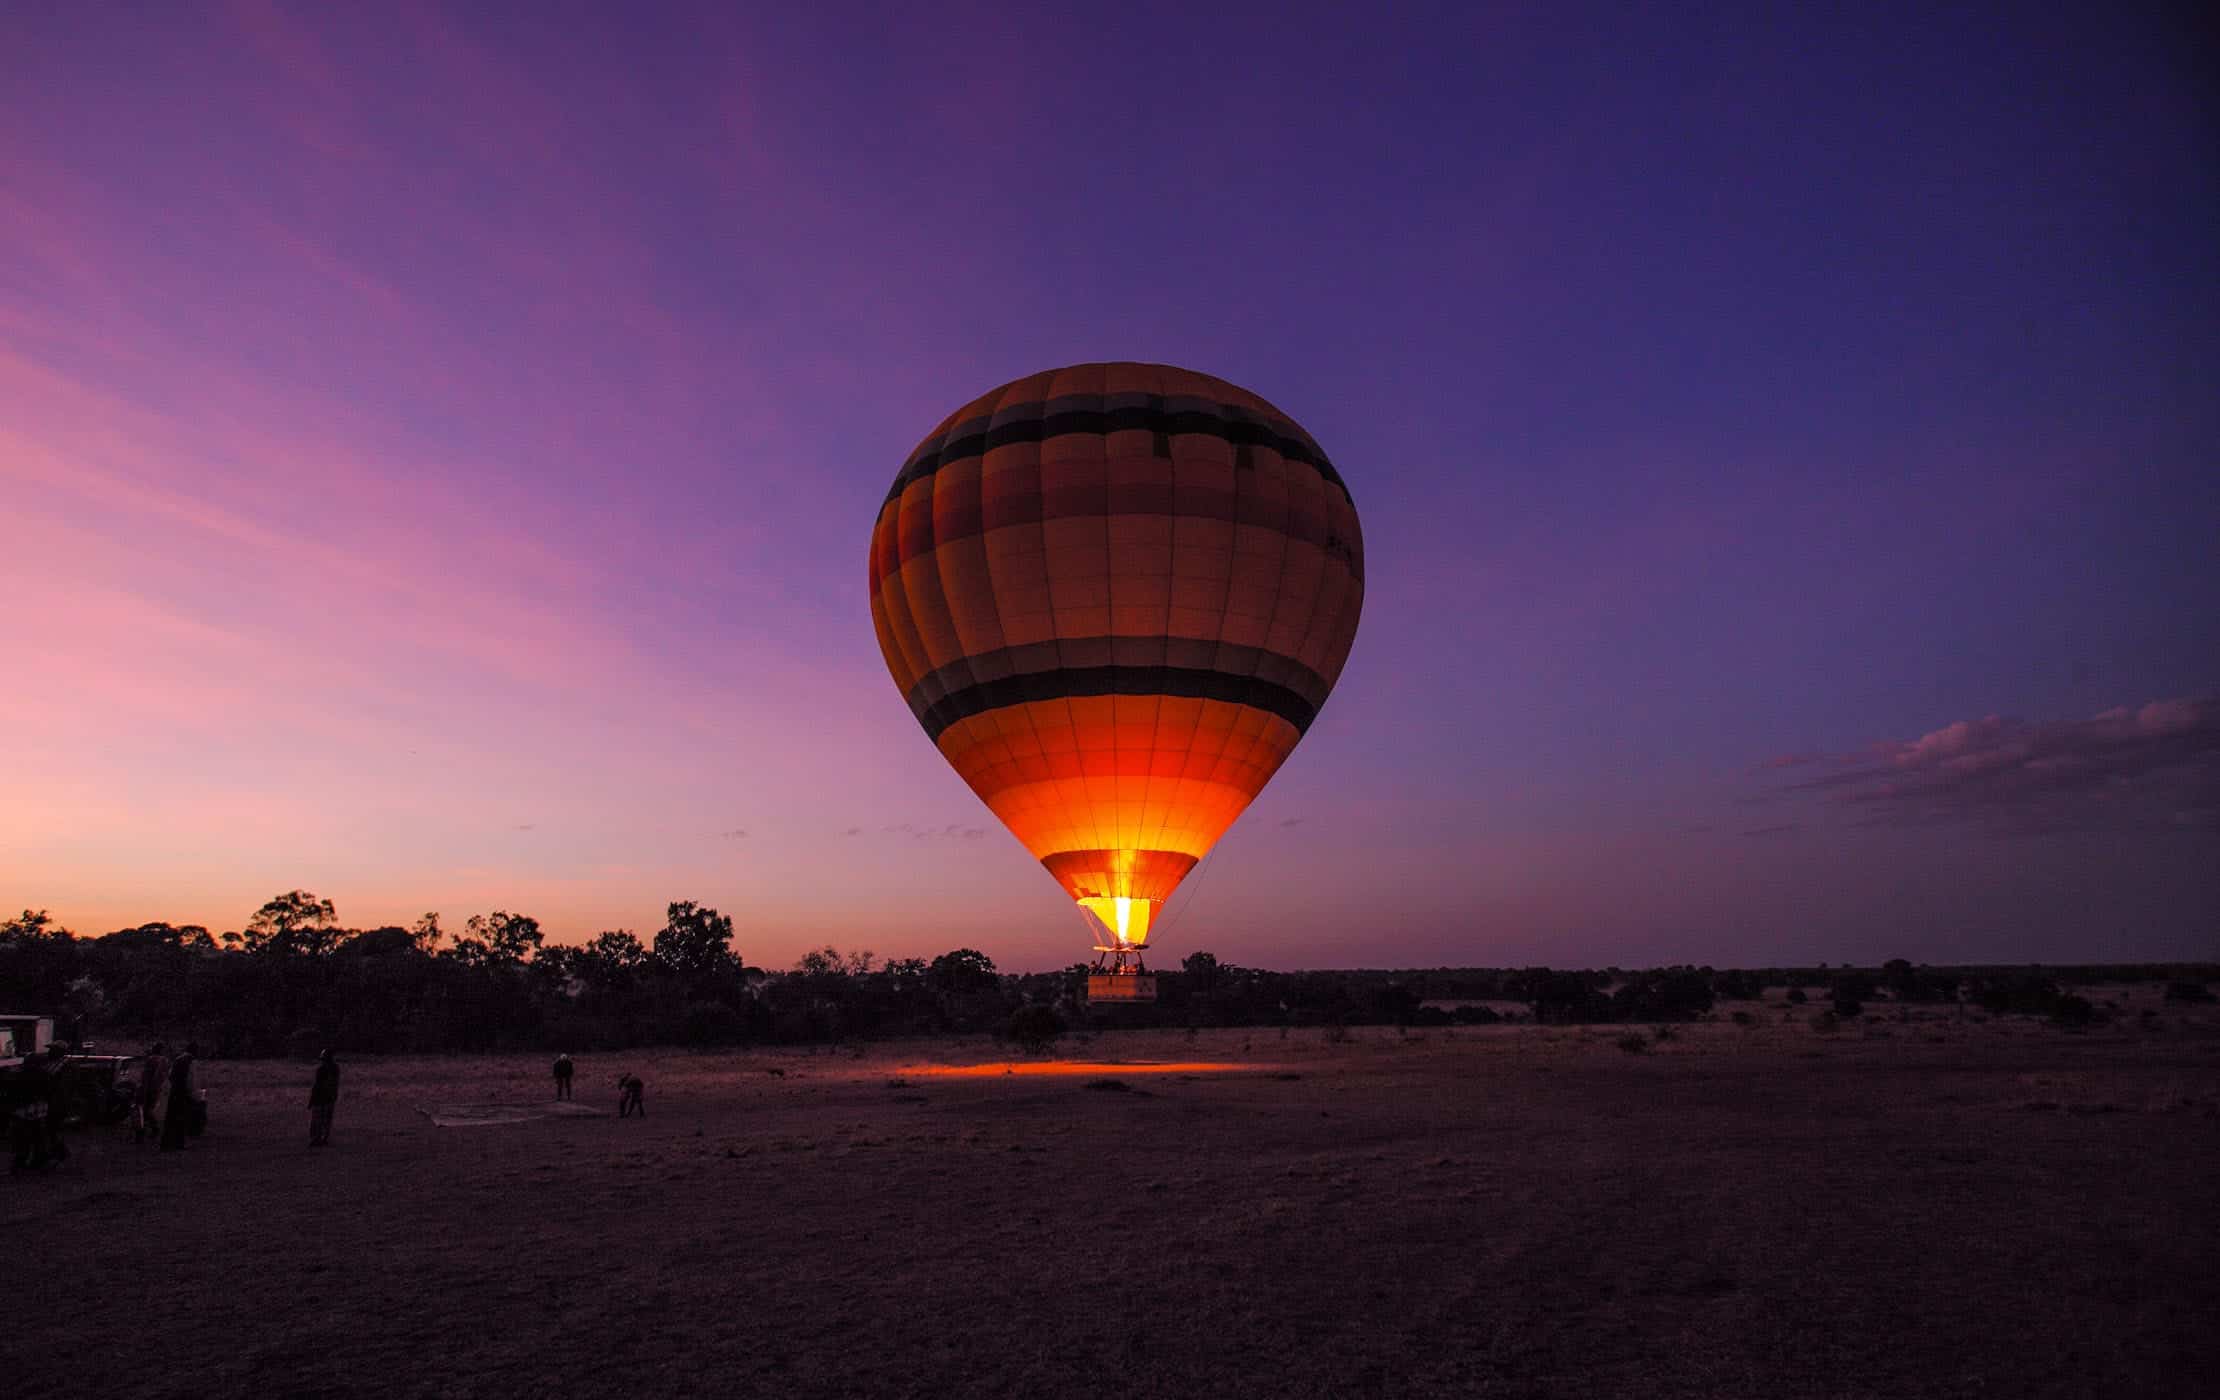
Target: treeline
x,y
294,981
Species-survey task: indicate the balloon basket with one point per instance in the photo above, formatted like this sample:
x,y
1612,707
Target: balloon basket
x,y
1120,988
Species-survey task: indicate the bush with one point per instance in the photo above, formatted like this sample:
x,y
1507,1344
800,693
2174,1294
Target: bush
x,y
1634,1043
712,1023
1796,996
1847,1006
1744,1018
2188,992
2073,1011
1034,1028
1825,1023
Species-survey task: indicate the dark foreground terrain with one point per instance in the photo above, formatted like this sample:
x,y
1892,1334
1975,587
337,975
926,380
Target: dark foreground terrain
x,y
1932,1206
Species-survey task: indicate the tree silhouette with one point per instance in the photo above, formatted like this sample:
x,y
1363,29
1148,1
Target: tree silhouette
x,y
499,939
696,942
611,958
33,926
294,922
962,970
1202,971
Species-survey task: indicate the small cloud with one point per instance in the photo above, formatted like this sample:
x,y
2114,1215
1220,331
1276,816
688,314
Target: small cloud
x,y
735,834
524,826
973,833
854,831
1792,760
1292,821
1782,829
2150,767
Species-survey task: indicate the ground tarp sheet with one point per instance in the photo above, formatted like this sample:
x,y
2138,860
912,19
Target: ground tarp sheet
x,y
488,1115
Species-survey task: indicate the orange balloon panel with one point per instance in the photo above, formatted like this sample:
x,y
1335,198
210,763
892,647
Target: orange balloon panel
x,y
1115,596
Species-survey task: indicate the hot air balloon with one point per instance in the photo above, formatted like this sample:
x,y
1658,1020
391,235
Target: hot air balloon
x,y
1115,596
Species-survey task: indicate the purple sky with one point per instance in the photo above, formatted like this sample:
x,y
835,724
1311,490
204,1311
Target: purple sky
x,y
439,446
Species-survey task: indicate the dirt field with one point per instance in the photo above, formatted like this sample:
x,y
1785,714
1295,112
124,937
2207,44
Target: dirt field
x,y
1939,1206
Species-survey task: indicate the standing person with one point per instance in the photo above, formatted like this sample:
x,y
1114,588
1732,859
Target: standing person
x,y
57,1106
629,1089
563,1071
177,1111
323,1097
27,1116
146,1115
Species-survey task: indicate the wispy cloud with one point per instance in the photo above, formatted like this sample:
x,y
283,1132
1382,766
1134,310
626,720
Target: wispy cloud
x,y
2156,766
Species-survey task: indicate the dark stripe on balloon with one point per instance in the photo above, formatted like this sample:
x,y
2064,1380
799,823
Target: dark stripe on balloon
x,y
1105,414
1128,654
1074,682
921,531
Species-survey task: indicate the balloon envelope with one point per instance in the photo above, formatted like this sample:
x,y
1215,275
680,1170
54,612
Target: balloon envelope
x,y
1115,596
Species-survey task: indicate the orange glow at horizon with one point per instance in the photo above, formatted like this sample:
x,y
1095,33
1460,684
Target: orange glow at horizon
x,y
1063,1068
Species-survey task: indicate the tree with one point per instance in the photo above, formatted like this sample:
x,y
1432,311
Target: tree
x,y
499,939
696,942
1202,972
294,922
829,961
34,926
611,958
962,970
427,932
386,942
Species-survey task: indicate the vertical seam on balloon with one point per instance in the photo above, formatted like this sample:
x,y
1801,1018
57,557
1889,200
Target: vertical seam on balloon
x,y
1071,716
1310,620
1155,840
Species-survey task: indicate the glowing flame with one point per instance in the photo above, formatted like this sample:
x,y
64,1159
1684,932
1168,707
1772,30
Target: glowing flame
x,y
1126,917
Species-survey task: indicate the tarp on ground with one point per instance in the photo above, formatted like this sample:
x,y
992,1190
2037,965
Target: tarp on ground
x,y
487,1115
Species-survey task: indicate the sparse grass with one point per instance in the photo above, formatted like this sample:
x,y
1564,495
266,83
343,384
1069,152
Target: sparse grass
x,y
1355,1188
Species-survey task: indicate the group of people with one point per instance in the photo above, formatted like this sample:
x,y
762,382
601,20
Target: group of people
x,y
167,1108
163,1105
630,1088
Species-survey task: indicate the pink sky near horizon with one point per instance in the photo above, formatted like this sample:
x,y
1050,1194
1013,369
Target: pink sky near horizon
x,y
439,454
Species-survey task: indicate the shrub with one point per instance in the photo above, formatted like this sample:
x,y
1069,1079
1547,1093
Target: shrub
x,y
2188,992
1825,1023
1634,1043
1034,1028
1744,1018
1847,1006
1796,996
711,1023
2073,1011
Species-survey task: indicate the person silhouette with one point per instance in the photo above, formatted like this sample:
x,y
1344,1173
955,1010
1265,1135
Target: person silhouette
x,y
146,1116
629,1089
564,1069
323,1097
178,1113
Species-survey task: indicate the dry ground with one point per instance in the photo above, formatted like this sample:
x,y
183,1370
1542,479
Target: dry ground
x,y
1932,1207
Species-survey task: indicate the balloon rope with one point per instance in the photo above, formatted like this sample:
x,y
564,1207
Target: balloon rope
x,y
1193,894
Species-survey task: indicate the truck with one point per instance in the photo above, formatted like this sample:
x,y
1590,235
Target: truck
x,y
96,1088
